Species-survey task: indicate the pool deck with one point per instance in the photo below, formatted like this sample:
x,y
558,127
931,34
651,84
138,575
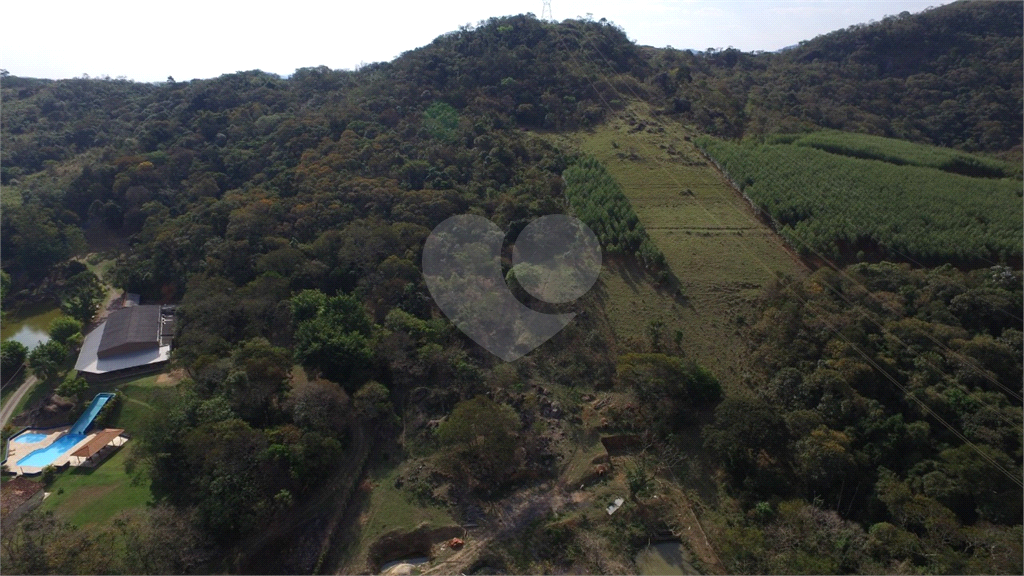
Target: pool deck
x,y
18,450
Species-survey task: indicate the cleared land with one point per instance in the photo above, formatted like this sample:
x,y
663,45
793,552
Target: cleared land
x,y
721,253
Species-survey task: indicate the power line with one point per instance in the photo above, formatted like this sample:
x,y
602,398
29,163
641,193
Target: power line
x,y
545,12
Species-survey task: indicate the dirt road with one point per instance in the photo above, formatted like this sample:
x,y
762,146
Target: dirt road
x,y
7,411
507,518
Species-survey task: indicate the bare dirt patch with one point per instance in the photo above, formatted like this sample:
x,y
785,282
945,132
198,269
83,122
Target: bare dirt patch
x,y
170,378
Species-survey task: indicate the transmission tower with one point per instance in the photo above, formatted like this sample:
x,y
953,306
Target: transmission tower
x,y
545,12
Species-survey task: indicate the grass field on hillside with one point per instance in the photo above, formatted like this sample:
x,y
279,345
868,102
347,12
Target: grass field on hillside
x,y
900,152
721,253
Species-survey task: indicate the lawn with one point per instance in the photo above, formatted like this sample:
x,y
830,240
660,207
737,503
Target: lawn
x,y
94,496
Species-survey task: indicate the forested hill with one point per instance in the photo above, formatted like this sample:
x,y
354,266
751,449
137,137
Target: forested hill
x,y
442,118
950,76
519,68
286,218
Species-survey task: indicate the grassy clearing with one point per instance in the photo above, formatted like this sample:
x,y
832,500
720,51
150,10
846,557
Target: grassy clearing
x,y
145,398
721,253
580,462
99,264
94,496
384,508
391,508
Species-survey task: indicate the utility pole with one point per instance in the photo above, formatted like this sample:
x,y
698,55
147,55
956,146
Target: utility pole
x,y
545,12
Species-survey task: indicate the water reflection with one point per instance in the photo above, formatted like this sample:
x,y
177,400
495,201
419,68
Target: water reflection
x,y
29,325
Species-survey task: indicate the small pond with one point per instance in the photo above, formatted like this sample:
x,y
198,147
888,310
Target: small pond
x,y
29,324
664,558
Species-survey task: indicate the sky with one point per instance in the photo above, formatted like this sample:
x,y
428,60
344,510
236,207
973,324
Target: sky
x,y
186,39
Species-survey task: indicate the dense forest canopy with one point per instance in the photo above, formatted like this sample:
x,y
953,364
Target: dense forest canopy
x,y
949,76
285,217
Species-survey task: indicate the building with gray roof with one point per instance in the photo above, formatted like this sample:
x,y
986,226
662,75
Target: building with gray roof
x,y
133,339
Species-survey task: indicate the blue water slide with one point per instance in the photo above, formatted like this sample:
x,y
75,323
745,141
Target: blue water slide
x,y
90,413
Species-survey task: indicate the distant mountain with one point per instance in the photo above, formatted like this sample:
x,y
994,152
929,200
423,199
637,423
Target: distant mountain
x,y
950,76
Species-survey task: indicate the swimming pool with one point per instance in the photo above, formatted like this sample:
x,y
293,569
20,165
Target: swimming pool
x,y
46,456
29,438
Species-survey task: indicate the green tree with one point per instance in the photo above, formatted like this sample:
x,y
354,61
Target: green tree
x,y
226,481
306,305
73,386
668,389
63,328
822,458
335,342
638,480
162,541
12,355
654,330
372,402
480,438
39,241
5,285
81,296
49,474
319,406
742,428
441,121
47,359
260,376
